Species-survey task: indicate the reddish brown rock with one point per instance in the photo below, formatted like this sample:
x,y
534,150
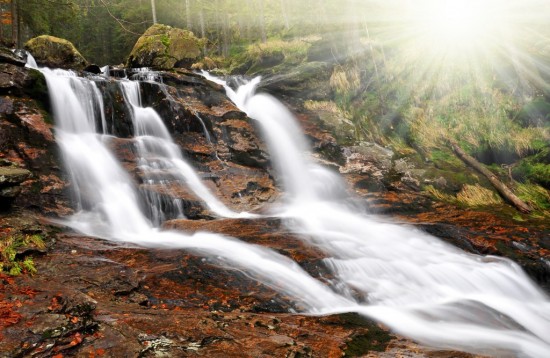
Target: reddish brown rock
x,y
26,139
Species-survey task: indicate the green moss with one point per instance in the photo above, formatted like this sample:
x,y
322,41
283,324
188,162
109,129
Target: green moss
x,y
165,40
38,89
535,169
164,47
375,339
55,52
10,261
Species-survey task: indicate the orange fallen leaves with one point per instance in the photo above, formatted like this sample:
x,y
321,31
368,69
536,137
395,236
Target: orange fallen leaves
x,y
77,339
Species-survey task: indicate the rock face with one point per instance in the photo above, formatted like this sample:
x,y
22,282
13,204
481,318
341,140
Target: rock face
x,y
10,180
55,52
27,141
163,47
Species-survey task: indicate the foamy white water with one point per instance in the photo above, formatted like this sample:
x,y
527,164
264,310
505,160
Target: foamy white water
x,y
109,206
31,62
413,282
158,151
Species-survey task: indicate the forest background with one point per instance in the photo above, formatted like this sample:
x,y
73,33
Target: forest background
x,y
392,80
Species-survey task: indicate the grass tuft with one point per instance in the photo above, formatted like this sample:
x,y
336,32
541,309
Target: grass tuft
x,y
476,195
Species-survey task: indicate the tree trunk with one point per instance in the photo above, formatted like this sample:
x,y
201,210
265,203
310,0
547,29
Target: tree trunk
x,y
284,13
504,191
14,23
154,10
201,21
226,35
188,14
1,24
262,22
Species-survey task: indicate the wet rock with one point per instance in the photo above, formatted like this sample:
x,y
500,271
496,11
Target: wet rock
x,y
95,69
10,180
270,232
14,58
26,139
10,176
196,105
163,47
55,52
117,113
13,78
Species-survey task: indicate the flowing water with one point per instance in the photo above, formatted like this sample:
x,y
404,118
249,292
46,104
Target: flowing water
x,y
412,282
159,156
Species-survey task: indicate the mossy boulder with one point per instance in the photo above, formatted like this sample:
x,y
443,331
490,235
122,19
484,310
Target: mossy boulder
x,y
162,47
55,52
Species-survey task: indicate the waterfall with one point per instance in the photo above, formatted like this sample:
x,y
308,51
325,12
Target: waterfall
x,y
31,62
412,282
109,207
159,154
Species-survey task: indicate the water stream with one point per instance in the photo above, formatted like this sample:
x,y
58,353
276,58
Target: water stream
x,y
159,156
412,282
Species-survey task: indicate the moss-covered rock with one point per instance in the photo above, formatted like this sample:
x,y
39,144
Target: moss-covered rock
x,y
55,52
163,47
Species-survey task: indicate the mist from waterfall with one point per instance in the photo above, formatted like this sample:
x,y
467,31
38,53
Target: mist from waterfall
x,y
418,285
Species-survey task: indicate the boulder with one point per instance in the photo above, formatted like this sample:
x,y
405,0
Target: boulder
x,y
55,52
163,47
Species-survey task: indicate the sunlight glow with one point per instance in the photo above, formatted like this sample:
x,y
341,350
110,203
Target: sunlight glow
x,y
458,26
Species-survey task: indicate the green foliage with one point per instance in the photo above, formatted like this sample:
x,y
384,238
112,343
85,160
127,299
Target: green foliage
x,y
537,196
10,260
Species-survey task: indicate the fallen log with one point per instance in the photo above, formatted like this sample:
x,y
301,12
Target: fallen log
x,y
503,190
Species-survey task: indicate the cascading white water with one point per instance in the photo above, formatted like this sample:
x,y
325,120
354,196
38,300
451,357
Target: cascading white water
x,y
31,62
157,151
413,282
110,207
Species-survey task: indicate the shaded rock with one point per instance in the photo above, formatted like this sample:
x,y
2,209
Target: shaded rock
x,y
95,69
117,113
206,63
308,81
163,47
8,56
26,139
10,179
55,52
13,77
